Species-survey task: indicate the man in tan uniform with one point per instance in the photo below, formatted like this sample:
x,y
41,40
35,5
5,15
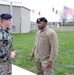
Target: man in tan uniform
x,y
45,48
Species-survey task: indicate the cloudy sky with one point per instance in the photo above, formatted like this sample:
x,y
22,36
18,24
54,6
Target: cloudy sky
x,y
45,7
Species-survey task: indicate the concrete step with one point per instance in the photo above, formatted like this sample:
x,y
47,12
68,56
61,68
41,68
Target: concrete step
x,y
20,71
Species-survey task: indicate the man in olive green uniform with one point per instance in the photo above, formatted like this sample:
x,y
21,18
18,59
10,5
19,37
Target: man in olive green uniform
x,y
45,48
6,47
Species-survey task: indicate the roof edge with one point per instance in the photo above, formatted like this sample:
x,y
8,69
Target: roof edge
x,y
13,3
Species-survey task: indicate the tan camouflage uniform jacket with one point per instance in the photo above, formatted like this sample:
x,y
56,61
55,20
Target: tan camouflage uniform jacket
x,y
46,44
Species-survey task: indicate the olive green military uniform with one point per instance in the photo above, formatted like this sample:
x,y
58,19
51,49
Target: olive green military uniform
x,y
5,49
45,49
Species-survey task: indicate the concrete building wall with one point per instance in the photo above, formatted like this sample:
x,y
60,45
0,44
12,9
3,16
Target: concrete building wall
x,y
16,20
4,9
25,20
20,14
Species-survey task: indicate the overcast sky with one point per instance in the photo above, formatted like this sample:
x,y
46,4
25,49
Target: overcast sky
x,y
45,7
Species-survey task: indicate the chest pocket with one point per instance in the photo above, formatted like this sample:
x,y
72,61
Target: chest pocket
x,y
5,38
5,42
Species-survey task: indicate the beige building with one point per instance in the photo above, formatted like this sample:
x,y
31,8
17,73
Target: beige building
x,y
21,16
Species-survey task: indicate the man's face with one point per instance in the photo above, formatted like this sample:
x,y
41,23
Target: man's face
x,y
41,25
7,23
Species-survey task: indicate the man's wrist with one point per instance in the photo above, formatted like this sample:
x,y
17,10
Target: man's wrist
x,y
32,56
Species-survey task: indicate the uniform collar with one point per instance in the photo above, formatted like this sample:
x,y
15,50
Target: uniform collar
x,y
6,30
1,28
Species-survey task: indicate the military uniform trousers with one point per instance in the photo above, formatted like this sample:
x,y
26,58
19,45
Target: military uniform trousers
x,y
41,66
6,68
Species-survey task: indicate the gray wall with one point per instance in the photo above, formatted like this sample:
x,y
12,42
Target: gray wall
x,y
25,20
4,9
16,20
20,20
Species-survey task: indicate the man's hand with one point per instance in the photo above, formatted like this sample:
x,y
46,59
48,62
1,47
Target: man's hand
x,y
31,58
49,64
13,53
